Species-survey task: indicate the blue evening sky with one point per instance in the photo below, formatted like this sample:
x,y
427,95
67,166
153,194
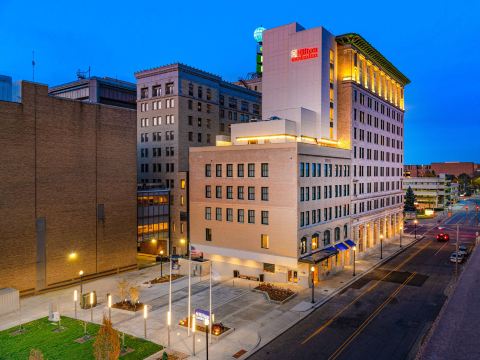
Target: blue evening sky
x,y
435,43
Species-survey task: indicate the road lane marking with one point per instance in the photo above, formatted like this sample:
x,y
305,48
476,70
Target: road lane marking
x,y
340,312
370,318
441,247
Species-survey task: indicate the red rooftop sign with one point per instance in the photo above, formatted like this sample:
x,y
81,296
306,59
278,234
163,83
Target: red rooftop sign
x,y
303,54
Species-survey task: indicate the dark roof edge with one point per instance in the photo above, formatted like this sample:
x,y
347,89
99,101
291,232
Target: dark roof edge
x,y
368,50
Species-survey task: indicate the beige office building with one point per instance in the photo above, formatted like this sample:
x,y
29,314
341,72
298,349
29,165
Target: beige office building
x,y
179,107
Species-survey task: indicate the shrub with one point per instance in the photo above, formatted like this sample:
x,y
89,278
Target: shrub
x,y
107,342
35,355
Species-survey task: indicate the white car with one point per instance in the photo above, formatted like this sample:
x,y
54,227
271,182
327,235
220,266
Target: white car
x,y
463,250
456,258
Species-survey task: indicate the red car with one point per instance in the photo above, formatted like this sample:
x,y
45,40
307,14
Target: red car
x,y
443,237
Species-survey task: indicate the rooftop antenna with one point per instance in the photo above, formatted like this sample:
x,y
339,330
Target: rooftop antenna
x,y
83,74
33,65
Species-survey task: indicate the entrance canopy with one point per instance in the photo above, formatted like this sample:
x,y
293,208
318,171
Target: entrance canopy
x,y
341,246
319,256
350,243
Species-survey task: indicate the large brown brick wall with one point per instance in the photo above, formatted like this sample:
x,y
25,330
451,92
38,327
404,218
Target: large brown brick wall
x,y
77,156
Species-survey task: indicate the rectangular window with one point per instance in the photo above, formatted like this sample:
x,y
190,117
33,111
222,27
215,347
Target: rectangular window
x,y
208,213
208,191
240,170
218,172
218,192
240,192
251,216
302,169
241,215
251,193
229,214
229,170
264,241
264,193
264,217
218,214
208,170
229,192
264,170
251,170
208,234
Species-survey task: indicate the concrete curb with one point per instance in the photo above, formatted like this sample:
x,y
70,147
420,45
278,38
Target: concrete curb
x,y
334,293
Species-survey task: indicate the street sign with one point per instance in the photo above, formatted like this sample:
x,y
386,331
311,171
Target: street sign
x,y
202,315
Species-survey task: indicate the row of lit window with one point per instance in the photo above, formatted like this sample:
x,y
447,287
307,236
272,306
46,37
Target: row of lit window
x,y
314,242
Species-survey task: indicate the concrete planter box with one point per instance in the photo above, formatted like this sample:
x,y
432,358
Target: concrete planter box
x,y
275,301
214,337
9,300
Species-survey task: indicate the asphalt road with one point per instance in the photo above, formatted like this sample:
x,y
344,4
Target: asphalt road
x,y
385,314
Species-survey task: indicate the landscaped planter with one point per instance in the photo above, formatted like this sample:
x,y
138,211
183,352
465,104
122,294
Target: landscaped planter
x,y
219,330
275,294
163,279
127,306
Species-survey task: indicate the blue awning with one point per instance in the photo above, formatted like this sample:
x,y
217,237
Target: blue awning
x,y
341,246
350,243
330,248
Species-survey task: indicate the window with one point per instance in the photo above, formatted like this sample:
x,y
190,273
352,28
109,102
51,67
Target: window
x,y
251,216
218,171
229,192
208,213
229,214
143,93
337,234
218,214
264,217
345,231
208,170
208,234
157,90
264,241
326,238
241,215
240,170
303,245
169,89
218,192
315,241
264,170
264,193
208,191
251,193
240,194
229,170
251,170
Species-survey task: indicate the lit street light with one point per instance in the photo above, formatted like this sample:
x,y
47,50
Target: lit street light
x,y
75,299
145,315
206,336
312,270
81,282
401,230
415,222
161,263
354,250
91,306
381,246
109,297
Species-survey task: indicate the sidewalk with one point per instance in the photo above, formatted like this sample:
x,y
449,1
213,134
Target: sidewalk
x,y
254,320
455,333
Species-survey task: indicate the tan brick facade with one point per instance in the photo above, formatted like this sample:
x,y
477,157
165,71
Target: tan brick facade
x,y
60,161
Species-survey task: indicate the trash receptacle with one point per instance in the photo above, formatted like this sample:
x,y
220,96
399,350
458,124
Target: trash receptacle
x,y
85,300
261,277
236,273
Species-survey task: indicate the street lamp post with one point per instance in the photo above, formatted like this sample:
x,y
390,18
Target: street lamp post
x,y
354,250
75,299
81,282
415,222
401,230
381,246
161,263
91,306
109,307
312,270
169,321
145,315
193,332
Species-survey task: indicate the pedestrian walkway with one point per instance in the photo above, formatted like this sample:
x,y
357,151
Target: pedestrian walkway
x,y
455,333
253,319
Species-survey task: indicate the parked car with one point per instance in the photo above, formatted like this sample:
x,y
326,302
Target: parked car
x,y
463,250
443,237
456,258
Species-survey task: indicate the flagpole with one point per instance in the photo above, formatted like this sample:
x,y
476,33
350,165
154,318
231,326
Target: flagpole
x,y
210,300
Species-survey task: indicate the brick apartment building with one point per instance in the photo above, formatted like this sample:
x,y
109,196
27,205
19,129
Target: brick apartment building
x,y
67,190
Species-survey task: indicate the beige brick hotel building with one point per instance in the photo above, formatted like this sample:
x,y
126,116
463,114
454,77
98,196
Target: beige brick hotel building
x,y
326,162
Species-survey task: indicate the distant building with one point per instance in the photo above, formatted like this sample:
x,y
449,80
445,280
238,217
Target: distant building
x,y
99,90
181,107
153,221
67,190
433,192
436,168
5,88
